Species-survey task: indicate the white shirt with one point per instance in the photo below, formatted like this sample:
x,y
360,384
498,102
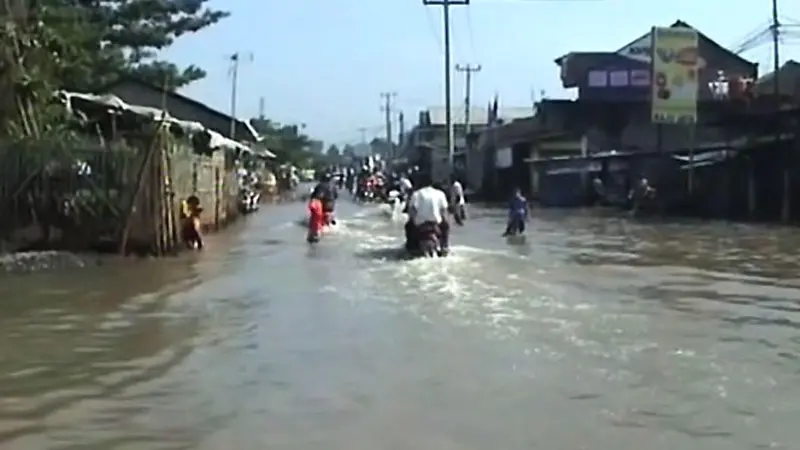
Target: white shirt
x,y
457,191
430,205
405,184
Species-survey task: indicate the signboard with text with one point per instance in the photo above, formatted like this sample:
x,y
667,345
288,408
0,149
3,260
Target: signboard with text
x,y
675,85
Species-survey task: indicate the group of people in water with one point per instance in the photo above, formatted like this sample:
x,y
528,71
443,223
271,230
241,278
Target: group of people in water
x,y
428,205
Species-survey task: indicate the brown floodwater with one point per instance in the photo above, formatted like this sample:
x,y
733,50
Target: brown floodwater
x,y
598,333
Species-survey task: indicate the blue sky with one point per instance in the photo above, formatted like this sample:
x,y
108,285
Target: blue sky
x,y
325,62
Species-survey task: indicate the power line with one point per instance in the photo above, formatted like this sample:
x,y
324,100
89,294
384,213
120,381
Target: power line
x,y
433,30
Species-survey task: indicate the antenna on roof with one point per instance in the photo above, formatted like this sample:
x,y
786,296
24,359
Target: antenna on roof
x,y
533,99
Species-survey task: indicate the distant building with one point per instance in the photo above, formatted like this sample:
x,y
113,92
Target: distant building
x,y
426,143
625,74
612,112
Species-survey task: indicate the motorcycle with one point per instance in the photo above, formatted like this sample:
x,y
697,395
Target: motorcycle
x,y
365,195
428,243
249,201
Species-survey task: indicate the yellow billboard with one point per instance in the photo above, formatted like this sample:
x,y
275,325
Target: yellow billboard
x,y
675,85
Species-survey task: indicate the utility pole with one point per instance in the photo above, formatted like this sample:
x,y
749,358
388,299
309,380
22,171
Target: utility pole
x,y
261,115
387,110
446,4
468,70
363,132
234,83
388,97
234,73
776,56
401,124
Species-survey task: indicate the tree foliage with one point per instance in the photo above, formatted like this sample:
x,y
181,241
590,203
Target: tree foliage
x,y
288,142
86,44
333,151
95,42
348,151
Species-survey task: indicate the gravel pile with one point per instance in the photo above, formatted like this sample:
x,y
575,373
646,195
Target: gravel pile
x,y
26,262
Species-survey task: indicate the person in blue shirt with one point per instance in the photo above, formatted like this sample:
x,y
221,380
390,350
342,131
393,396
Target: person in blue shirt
x,y
517,214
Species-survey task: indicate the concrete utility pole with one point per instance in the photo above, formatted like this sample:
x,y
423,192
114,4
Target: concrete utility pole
x,y
468,70
388,97
401,124
776,43
234,72
446,4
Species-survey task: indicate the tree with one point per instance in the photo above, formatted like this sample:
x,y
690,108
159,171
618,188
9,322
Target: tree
x,y
166,75
107,39
349,151
316,146
380,146
333,152
286,141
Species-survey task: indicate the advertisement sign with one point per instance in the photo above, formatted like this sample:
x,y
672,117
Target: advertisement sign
x,y
675,83
642,50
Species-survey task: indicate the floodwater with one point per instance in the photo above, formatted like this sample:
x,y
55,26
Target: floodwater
x,y
598,333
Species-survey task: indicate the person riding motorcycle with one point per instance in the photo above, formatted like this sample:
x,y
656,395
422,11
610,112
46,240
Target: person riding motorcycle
x,y
326,192
427,205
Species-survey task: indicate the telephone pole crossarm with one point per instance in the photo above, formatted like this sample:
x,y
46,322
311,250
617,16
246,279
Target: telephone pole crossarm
x,y
445,2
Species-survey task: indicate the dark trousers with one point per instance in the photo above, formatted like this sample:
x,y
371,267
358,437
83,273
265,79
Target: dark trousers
x,y
515,225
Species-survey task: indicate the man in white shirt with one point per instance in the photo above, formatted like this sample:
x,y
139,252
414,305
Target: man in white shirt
x,y
427,204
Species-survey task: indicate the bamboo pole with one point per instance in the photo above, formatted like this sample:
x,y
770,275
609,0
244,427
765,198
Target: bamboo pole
x,y
142,170
123,244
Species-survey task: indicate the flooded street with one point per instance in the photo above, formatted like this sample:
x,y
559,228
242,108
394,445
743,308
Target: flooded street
x,y
600,334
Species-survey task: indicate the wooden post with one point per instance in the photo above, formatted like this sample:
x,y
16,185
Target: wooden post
x,y
141,176
751,189
690,180
786,211
217,198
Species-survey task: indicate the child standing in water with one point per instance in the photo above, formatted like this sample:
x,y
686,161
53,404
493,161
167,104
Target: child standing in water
x,y
517,214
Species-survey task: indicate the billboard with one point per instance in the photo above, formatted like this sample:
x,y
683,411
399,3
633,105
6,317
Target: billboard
x,y
675,85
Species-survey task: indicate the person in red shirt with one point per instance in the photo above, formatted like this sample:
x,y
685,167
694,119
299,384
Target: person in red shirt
x,y
316,220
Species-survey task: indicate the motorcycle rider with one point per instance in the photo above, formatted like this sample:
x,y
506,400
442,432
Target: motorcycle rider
x,y
326,192
427,205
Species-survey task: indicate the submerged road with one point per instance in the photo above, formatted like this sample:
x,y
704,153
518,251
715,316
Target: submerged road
x,y
600,334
